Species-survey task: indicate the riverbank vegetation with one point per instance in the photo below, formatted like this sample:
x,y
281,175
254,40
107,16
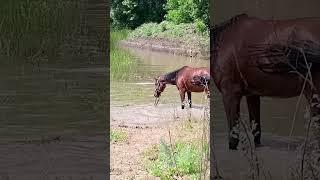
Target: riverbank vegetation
x,y
34,30
121,61
183,23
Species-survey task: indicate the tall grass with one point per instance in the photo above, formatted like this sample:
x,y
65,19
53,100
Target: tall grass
x,y
121,61
34,28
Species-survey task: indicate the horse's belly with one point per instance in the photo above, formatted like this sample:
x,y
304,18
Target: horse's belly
x,y
274,85
196,89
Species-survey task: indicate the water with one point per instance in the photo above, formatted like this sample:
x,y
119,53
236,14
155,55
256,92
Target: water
x,y
151,65
51,100
276,114
53,120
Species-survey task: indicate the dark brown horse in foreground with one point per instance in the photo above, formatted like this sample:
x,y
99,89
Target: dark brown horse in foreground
x,y
186,79
253,57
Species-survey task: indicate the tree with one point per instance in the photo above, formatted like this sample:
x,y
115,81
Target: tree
x,y
133,13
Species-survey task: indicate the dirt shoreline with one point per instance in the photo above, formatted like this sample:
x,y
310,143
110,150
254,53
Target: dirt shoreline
x,y
167,46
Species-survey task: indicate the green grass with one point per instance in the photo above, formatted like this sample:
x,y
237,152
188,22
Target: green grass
x,y
190,33
118,136
183,160
31,29
122,63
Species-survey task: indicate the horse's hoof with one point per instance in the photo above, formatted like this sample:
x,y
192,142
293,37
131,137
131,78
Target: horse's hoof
x,y
233,143
182,107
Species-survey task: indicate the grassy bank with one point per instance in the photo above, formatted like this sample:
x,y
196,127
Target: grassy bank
x,y
191,36
34,29
121,61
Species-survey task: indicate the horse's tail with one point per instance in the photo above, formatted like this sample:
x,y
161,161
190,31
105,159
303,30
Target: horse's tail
x,y
201,80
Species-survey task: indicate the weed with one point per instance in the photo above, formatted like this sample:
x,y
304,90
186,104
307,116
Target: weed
x,y
118,136
181,159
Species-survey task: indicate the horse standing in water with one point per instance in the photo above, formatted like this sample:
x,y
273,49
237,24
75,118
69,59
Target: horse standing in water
x,y
187,80
253,57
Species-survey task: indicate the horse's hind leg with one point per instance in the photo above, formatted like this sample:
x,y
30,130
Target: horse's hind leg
x,y
189,98
231,103
182,96
253,103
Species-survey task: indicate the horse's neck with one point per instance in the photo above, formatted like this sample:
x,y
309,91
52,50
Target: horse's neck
x,y
171,79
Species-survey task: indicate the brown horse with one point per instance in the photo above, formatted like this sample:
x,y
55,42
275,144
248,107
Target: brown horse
x,y
187,80
253,57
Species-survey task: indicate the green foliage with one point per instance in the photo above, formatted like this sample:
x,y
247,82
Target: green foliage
x,y
118,136
200,26
35,27
180,11
133,13
165,162
194,34
202,11
121,61
187,11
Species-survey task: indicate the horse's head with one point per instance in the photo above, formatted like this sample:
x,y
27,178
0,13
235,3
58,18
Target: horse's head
x,y
160,85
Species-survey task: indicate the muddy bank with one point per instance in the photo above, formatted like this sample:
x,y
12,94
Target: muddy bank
x,y
128,159
146,125
142,116
168,46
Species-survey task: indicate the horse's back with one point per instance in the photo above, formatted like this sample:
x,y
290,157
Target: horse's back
x,y
186,78
251,36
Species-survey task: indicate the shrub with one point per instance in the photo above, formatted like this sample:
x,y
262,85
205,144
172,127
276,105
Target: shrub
x,y
187,11
133,13
200,26
183,159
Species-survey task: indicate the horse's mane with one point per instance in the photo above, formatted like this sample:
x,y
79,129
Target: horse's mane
x,y
217,30
171,76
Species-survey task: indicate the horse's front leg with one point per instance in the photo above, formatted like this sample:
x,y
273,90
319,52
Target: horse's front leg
x,y
253,103
182,96
189,98
231,103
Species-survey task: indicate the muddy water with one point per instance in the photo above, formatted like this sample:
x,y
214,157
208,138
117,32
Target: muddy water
x,y
276,114
152,64
50,100
51,117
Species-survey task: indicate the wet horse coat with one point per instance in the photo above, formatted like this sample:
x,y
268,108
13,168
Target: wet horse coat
x,y
253,57
187,80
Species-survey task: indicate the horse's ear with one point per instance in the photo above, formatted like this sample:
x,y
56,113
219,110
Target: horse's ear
x,y
155,78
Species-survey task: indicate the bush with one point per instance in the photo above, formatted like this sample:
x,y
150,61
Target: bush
x,y
133,13
180,11
200,26
183,159
118,136
187,11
